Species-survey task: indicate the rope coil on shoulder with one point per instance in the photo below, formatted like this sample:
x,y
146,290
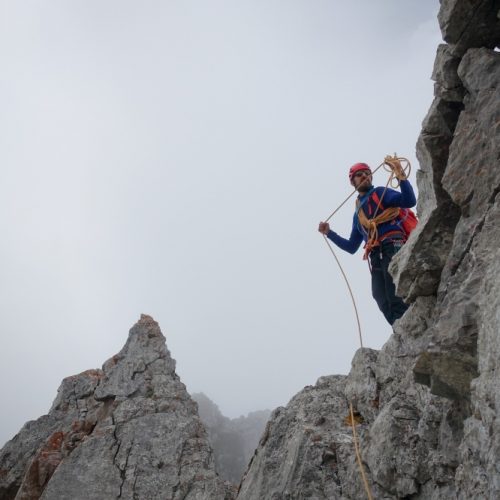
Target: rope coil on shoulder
x,y
371,225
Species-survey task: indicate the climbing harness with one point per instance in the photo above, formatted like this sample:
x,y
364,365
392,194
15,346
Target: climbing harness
x,y
405,218
371,226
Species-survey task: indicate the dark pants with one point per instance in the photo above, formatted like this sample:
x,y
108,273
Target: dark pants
x,y
383,289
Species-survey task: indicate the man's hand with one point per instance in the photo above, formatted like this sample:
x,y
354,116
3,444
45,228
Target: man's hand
x,y
396,167
324,228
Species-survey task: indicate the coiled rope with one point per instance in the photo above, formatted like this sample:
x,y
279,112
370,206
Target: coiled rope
x,y
393,181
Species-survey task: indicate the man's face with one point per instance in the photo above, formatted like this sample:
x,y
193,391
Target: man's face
x,y
362,180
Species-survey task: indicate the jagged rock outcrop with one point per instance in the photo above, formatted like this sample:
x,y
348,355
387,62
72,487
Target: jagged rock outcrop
x,y
469,23
428,403
233,440
307,448
129,430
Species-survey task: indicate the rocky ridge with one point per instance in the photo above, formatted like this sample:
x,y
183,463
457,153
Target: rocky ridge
x,y
129,430
427,405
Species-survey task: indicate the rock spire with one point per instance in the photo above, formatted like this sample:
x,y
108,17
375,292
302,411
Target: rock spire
x,y
127,431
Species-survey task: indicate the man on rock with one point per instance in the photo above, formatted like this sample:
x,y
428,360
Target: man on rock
x,y
380,229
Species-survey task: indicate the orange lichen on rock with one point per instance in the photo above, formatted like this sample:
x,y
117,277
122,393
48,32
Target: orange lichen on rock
x,y
358,419
42,467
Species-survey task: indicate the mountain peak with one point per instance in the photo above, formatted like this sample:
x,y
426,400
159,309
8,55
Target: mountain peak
x,y
130,430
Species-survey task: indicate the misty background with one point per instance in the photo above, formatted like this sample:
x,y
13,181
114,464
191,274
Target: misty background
x,y
174,158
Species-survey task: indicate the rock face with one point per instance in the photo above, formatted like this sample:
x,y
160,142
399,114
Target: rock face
x,y
428,403
405,434
307,448
233,440
129,430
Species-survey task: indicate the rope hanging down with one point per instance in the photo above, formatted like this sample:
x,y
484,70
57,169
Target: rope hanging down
x,y
406,172
358,454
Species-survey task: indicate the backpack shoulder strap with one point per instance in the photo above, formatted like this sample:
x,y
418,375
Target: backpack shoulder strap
x,y
375,197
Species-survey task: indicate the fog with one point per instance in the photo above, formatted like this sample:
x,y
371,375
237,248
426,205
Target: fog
x,y
174,158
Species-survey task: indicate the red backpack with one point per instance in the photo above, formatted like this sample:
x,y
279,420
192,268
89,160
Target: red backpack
x,y
407,219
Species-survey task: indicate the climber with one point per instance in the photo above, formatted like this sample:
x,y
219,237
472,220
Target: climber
x,y
383,238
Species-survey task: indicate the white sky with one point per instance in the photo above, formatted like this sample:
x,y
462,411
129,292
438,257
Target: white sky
x,y
174,158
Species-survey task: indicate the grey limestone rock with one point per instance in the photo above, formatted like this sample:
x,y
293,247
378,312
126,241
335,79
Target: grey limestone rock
x,y
307,449
452,362
417,267
129,430
470,23
448,85
428,403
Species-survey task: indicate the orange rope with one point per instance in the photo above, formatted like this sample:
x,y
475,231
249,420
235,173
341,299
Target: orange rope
x,y
358,455
349,288
406,172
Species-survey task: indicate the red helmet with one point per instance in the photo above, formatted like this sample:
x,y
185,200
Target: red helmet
x,y
356,168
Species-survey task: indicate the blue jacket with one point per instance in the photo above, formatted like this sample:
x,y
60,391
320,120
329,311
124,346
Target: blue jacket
x,y
404,199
